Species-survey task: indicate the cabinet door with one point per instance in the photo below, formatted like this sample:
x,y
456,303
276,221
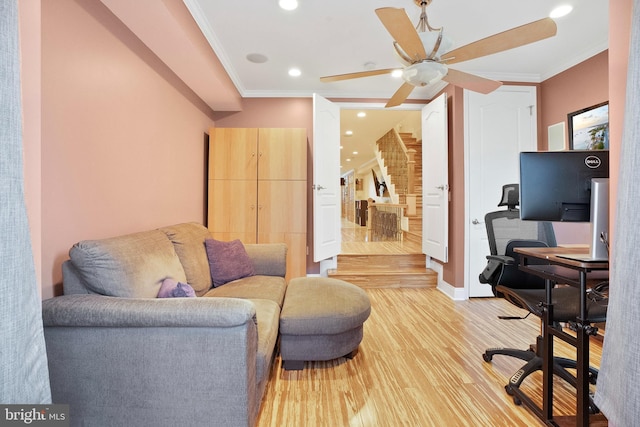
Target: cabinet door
x,y
282,206
233,153
232,209
282,153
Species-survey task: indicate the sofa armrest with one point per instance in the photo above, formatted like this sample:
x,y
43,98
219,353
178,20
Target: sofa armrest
x,y
269,259
160,362
103,311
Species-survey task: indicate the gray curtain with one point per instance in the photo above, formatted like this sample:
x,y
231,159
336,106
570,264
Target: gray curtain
x,y
618,388
24,376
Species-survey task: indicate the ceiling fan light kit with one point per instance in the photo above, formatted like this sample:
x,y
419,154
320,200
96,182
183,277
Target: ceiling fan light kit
x,y
426,52
424,73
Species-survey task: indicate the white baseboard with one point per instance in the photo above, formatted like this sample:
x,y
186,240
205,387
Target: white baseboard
x,y
456,294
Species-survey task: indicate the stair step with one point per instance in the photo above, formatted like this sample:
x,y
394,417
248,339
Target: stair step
x,y
413,236
392,279
384,263
385,271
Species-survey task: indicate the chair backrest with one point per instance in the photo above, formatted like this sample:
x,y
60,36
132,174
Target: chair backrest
x,y
505,231
506,225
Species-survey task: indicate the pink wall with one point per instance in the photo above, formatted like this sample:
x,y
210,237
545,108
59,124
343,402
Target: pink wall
x,y
453,271
581,86
31,53
122,138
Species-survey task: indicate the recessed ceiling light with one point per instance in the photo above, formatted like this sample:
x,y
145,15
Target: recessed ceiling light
x,y
348,160
288,4
349,133
341,147
257,58
561,11
362,114
295,72
355,152
396,73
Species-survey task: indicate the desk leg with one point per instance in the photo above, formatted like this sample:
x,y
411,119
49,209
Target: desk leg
x,y
547,355
582,358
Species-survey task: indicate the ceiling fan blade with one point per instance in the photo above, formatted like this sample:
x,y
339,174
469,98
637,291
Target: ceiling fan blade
x,y
515,37
356,75
397,22
471,81
400,95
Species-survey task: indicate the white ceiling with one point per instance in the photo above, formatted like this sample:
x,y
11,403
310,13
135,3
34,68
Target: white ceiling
x,y
326,37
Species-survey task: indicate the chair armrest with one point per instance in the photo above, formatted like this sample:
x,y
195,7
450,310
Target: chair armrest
x,y
502,259
269,259
494,267
103,311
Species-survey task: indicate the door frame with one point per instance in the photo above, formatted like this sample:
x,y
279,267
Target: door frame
x,y
533,91
332,262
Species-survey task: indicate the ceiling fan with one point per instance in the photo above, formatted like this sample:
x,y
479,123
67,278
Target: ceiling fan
x,y
425,52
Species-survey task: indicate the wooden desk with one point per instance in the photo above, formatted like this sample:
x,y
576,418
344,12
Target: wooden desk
x,y
574,273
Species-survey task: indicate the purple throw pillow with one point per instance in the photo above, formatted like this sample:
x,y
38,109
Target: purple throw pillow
x,y
171,288
228,261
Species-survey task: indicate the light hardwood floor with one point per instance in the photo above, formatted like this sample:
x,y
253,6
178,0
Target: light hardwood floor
x,y
420,364
356,241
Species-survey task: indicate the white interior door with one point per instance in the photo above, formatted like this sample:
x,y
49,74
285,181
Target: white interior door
x,y
435,179
498,126
326,179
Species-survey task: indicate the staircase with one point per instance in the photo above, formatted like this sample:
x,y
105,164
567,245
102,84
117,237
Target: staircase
x,y
394,270
385,271
394,159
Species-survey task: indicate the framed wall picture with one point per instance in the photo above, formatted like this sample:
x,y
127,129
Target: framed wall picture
x,y
589,128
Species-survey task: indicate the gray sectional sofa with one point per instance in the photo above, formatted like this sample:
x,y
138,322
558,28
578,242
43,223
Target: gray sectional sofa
x,y
119,356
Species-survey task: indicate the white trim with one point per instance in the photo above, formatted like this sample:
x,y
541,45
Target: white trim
x,y
203,24
455,293
377,106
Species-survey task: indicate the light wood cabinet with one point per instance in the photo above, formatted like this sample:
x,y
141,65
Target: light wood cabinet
x,y
258,189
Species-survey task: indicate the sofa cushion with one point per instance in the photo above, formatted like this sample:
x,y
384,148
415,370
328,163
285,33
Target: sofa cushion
x,y
264,287
188,242
130,266
171,288
228,261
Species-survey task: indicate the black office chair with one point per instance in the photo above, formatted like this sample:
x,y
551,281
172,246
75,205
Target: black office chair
x,y
506,232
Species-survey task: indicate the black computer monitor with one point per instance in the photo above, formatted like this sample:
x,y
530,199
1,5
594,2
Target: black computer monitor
x,y
568,186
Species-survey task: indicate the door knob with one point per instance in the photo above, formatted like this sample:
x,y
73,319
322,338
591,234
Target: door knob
x,y
475,221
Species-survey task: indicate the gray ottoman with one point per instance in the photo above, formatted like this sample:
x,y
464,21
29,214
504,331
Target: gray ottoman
x,y
321,319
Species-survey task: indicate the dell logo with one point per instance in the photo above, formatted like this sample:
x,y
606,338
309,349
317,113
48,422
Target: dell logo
x,y
592,162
